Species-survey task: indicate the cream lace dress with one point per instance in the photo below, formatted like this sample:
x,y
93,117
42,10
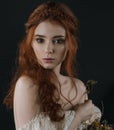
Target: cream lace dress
x,y
42,122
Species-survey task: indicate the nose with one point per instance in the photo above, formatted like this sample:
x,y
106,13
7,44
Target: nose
x,y
49,48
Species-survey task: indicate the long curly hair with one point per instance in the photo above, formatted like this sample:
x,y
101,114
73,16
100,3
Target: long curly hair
x,y
28,65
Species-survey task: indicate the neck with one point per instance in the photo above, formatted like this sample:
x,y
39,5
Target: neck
x,y
57,70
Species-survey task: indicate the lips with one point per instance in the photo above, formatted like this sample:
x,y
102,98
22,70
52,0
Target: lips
x,y
48,60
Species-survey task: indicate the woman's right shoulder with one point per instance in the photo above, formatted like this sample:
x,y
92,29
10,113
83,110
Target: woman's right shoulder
x,y
24,81
25,86
25,101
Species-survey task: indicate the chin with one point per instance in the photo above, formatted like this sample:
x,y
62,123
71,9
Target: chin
x,y
48,67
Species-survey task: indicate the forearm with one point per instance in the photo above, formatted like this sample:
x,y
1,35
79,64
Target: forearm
x,y
75,123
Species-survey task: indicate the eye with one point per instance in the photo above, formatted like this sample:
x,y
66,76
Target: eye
x,y
39,40
59,41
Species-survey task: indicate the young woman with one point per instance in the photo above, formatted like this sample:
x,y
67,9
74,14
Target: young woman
x,y
45,93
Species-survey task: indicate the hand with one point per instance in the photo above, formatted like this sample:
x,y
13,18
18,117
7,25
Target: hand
x,y
84,111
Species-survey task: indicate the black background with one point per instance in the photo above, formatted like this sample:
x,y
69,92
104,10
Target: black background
x,y
95,55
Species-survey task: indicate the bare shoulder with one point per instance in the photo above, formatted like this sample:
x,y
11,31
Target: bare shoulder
x,y
81,90
80,84
25,85
25,100
24,81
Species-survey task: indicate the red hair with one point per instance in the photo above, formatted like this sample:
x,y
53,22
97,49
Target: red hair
x,y
27,61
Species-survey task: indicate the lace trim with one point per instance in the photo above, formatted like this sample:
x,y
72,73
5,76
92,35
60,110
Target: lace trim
x,y
30,122
41,122
45,122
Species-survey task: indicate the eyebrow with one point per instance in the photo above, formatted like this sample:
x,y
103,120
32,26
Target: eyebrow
x,y
57,36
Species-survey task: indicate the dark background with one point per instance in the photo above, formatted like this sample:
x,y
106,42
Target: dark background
x,y
95,55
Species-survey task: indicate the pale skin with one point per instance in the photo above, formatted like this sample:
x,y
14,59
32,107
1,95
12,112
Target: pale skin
x,y
50,48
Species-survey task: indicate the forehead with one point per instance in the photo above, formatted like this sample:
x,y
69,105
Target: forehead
x,y
49,29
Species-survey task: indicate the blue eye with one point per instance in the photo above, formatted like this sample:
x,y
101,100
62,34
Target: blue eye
x,y
59,41
39,40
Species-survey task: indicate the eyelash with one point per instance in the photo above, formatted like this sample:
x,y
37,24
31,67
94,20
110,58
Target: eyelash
x,y
55,41
59,41
39,40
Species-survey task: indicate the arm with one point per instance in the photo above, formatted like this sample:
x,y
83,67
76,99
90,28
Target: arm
x,y
85,109
25,101
82,113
